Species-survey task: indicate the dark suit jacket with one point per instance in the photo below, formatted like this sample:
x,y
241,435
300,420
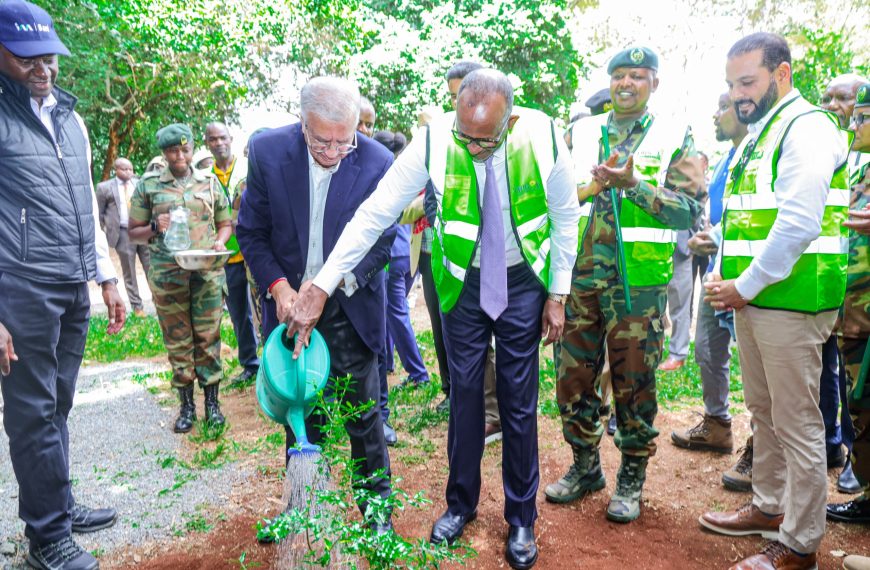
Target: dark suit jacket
x,y
274,215
108,197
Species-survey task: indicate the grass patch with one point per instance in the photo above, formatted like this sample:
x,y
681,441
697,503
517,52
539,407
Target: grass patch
x,y
684,385
140,338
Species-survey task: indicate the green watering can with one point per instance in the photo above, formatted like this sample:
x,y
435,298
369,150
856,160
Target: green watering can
x,y
287,388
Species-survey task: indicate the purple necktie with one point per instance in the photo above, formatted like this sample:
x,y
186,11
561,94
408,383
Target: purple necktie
x,y
493,267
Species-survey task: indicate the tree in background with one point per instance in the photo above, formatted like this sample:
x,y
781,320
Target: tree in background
x,y
139,65
818,56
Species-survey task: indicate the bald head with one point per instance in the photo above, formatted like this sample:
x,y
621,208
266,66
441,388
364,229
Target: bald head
x,y
219,143
839,96
483,109
367,117
123,169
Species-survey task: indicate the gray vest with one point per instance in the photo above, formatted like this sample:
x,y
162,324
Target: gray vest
x,y
46,211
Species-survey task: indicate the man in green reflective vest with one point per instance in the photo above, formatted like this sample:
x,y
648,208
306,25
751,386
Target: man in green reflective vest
x,y
659,182
855,327
782,268
505,242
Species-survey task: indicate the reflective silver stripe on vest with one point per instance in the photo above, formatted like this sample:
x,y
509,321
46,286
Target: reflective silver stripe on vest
x,y
767,200
541,261
454,269
753,248
461,229
652,235
585,209
531,226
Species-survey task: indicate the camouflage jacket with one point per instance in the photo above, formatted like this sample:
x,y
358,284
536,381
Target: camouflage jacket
x,y
159,192
856,308
678,205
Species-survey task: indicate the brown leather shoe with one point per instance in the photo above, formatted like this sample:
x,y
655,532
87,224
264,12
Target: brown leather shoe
x,y
671,364
777,556
491,433
746,520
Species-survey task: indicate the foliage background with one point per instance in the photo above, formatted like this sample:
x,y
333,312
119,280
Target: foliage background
x,y
138,65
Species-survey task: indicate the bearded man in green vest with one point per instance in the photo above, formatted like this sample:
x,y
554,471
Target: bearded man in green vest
x,y
505,241
659,183
782,269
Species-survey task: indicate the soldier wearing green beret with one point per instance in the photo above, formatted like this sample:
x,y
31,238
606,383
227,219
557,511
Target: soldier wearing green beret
x,y
855,327
659,186
188,303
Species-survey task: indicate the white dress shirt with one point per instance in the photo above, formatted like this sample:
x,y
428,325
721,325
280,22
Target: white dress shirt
x,y
125,191
402,183
318,188
811,151
105,269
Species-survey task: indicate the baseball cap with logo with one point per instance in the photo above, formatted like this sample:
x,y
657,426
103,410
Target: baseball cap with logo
x,y
27,30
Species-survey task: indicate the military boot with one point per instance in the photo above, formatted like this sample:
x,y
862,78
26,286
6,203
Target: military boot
x,y
212,406
711,434
624,505
187,414
739,477
583,477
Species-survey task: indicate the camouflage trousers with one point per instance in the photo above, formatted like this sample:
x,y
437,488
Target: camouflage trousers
x,y
852,350
634,348
189,308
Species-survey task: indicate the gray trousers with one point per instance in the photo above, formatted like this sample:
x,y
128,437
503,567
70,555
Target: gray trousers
x,y
127,253
713,355
681,293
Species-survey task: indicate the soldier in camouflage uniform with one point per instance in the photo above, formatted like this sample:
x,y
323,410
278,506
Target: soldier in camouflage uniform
x,y
188,303
662,186
855,326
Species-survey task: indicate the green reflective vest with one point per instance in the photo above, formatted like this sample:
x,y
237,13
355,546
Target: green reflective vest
x,y
530,157
649,244
817,281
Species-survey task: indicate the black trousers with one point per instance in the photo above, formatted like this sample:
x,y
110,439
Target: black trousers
x,y
431,296
49,327
350,355
517,332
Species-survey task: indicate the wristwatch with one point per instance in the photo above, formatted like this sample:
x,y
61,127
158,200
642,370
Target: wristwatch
x,y
113,281
154,227
561,299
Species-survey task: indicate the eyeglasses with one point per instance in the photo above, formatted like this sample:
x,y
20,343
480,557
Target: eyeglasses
x,y
485,143
343,149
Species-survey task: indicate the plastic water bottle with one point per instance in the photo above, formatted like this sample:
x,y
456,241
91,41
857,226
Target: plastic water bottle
x,y
178,235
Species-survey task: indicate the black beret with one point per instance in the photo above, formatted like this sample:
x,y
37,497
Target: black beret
x,y
600,102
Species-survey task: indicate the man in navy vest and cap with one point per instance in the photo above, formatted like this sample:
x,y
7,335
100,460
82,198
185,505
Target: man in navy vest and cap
x,y
52,248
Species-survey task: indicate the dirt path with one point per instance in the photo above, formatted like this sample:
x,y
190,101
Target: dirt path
x,y
681,485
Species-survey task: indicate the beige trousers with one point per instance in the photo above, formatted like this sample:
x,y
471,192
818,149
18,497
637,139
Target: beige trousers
x,y
781,361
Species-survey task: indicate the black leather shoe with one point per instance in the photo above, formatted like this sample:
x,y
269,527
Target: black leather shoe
x,y
836,458
851,512
187,413
86,519
611,425
245,378
390,437
521,551
846,482
381,529
443,406
448,528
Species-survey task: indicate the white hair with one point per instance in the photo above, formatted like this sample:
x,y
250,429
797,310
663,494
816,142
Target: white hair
x,y
334,99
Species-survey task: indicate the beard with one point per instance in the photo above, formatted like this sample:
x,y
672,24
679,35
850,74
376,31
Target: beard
x,y
768,100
